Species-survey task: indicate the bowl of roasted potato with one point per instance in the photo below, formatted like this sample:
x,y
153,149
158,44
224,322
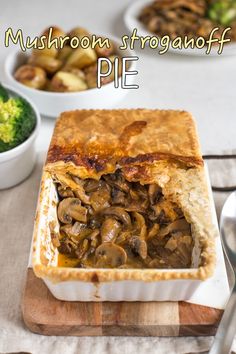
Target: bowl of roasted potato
x,y
65,78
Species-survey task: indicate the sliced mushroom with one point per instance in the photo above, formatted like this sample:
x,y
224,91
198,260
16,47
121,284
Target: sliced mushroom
x,y
171,244
79,190
157,263
95,222
118,197
65,192
94,238
138,246
67,247
140,190
77,228
139,200
153,231
117,181
110,230
135,206
120,214
82,196
134,194
154,193
69,209
86,233
72,230
91,185
160,219
76,185
179,212
165,211
83,247
100,199
184,249
174,260
180,225
123,237
110,255
141,225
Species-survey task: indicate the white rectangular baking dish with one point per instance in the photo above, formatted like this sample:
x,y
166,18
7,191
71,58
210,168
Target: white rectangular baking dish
x,y
44,253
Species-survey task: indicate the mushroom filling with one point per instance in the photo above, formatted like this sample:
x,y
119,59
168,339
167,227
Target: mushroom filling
x,y
113,223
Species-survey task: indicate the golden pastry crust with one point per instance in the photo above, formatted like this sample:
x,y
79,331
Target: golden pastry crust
x,y
150,146
95,141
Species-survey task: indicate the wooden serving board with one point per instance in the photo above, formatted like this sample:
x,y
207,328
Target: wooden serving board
x,y
44,314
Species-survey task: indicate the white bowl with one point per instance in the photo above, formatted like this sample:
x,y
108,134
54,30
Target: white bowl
x,y
52,104
16,164
131,22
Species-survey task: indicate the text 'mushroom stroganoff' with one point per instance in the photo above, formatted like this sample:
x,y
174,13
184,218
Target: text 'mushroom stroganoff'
x,y
131,191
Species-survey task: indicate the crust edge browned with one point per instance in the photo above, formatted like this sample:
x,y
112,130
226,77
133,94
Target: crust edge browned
x,y
101,159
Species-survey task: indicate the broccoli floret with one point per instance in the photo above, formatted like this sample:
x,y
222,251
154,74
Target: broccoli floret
x,y
17,121
4,96
223,11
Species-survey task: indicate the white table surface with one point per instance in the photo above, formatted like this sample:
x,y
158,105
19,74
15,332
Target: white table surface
x,y
206,86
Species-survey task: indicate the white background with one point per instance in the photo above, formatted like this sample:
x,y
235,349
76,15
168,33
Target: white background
x,y
203,85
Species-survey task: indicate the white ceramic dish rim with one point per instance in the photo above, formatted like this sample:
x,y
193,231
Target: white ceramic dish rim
x,y
191,290
10,154
10,76
131,22
37,240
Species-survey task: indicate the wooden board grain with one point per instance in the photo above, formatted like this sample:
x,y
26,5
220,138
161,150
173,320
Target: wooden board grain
x,y
44,314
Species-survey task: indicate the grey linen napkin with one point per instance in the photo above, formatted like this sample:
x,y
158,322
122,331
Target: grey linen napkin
x,y
17,208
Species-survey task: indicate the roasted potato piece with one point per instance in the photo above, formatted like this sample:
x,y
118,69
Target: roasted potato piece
x,y
104,51
56,32
64,53
91,76
74,71
51,65
31,76
79,32
51,52
67,82
80,58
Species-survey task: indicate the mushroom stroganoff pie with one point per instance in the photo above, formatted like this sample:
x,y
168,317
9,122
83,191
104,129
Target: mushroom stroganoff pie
x,y
131,194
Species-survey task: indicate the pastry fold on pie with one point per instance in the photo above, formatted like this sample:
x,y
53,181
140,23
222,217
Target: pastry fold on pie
x,y
132,195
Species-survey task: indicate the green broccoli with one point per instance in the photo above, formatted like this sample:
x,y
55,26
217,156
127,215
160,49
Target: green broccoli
x,y
4,96
17,121
222,11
